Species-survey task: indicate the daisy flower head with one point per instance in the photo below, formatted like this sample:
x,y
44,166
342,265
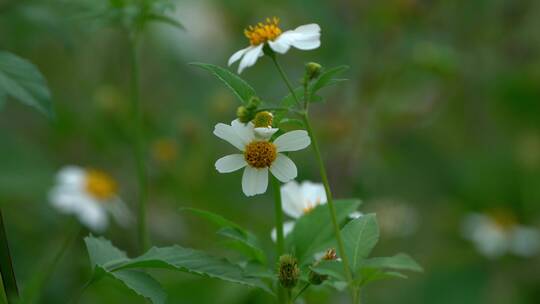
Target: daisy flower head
x,y
305,37
259,155
89,194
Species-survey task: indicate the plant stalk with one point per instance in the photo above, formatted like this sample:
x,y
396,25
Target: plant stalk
x,y
324,178
139,149
6,266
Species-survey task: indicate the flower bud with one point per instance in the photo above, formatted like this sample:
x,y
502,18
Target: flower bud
x,y
318,279
313,70
263,119
288,271
253,103
243,114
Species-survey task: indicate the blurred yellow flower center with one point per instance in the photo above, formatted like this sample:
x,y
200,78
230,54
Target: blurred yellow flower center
x,y
100,185
164,150
263,119
260,154
263,32
311,206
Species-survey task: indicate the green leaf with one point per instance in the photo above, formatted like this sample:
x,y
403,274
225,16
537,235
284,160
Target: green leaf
x,y
21,80
313,231
291,122
327,78
239,86
233,231
333,269
104,257
196,262
360,236
165,19
142,284
400,261
103,252
368,275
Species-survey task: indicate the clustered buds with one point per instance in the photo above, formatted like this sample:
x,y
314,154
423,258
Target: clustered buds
x,y
313,70
263,119
246,113
288,271
318,279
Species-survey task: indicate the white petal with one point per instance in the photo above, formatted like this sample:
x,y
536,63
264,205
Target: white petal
x,y
292,199
287,229
228,134
237,55
283,43
283,168
244,131
355,215
265,133
254,181
66,199
313,194
71,175
230,163
525,241
94,216
120,211
292,141
306,37
250,57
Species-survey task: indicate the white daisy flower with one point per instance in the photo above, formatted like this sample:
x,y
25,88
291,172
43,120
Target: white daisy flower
x,y
300,199
495,236
90,195
259,155
305,37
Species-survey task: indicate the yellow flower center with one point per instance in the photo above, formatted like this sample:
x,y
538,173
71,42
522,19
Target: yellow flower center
x,y
311,206
260,154
263,32
100,185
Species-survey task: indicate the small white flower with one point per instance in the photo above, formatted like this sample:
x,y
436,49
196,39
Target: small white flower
x,y
89,195
305,37
300,199
493,237
259,155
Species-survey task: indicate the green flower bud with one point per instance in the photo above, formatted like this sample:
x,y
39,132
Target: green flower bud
x,y
288,271
263,119
243,114
313,70
253,103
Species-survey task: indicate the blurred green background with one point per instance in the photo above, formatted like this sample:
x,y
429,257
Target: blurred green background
x,y
440,117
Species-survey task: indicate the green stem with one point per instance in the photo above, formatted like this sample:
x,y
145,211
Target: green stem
x,y
280,242
139,148
6,266
324,177
301,291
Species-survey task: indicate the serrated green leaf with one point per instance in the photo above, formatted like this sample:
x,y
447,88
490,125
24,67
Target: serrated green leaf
x,y
142,284
196,262
104,257
239,86
103,252
333,269
314,230
21,80
249,242
360,236
233,231
327,78
400,261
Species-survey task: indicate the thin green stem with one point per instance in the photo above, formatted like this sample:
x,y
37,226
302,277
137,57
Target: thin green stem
x,y
139,147
301,291
6,266
280,239
324,177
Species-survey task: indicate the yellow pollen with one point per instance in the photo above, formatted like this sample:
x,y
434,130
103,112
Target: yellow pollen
x,y
263,119
260,154
309,208
100,185
263,32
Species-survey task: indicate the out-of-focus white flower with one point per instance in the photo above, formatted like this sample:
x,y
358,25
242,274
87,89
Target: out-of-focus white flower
x,y
304,37
259,154
90,195
396,218
299,199
494,237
